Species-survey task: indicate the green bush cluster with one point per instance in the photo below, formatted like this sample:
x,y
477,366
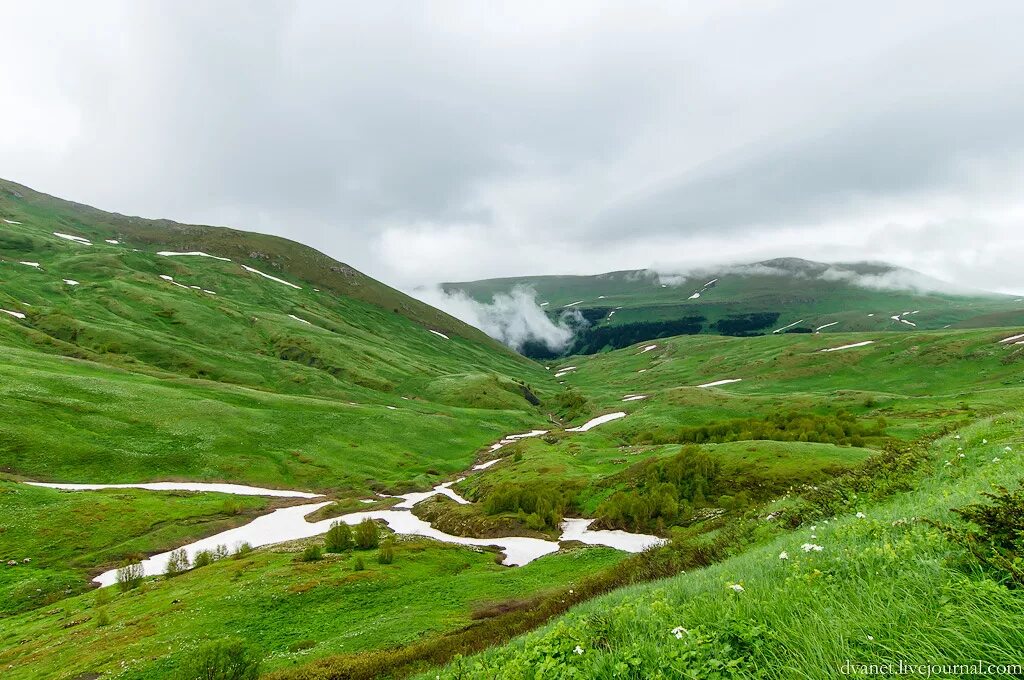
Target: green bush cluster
x,y
784,426
996,536
664,492
541,505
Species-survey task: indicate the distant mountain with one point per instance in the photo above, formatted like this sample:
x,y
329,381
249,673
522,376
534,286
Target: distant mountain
x,y
785,295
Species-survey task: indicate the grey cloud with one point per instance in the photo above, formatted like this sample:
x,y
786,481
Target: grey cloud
x,y
574,137
514,318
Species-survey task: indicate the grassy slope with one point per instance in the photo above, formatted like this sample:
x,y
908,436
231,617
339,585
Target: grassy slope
x,y
805,297
70,537
293,611
270,254
920,381
885,588
133,378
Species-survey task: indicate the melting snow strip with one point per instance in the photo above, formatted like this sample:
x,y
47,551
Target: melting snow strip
x,y
17,315
112,241
484,466
825,326
647,349
600,420
634,397
11,222
1012,338
856,344
694,296
72,237
544,304
272,278
71,282
170,279
573,304
439,334
236,489
298,319
30,264
779,330
721,382
195,253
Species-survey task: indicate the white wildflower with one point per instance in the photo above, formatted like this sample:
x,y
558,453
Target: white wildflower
x,y
811,547
736,588
578,650
961,455
871,638
984,441
679,632
783,555
995,460
861,515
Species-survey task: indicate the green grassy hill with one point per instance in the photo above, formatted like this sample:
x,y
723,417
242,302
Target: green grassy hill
x,y
788,295
138,366
125,365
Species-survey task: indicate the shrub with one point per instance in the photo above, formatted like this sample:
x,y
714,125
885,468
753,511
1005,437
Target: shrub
x,y
312,553
222,660
220,552
203,558
102,618
358,565
542,504
301,646
130,576
786,426
386,554
998,541
104,596
177,562
665,491
366,535
338,538
242,550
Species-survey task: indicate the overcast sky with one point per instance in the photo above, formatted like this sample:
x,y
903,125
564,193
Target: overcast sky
x,y
432,141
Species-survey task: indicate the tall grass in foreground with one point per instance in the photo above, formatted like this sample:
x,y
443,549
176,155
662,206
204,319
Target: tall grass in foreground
x,y
884,587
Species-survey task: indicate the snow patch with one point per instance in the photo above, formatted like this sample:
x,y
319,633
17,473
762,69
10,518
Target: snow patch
x,y
292,316
1012,338
16,315
30,264
579,530
112,241
72,237
11,222
779,330
721,382
235,489
634,397
648,348
268,276
170,279
573,304
193,253
71,282
856,344
439,334
600,420
825,326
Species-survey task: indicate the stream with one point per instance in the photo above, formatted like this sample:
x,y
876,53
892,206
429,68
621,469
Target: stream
x,y
288,524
